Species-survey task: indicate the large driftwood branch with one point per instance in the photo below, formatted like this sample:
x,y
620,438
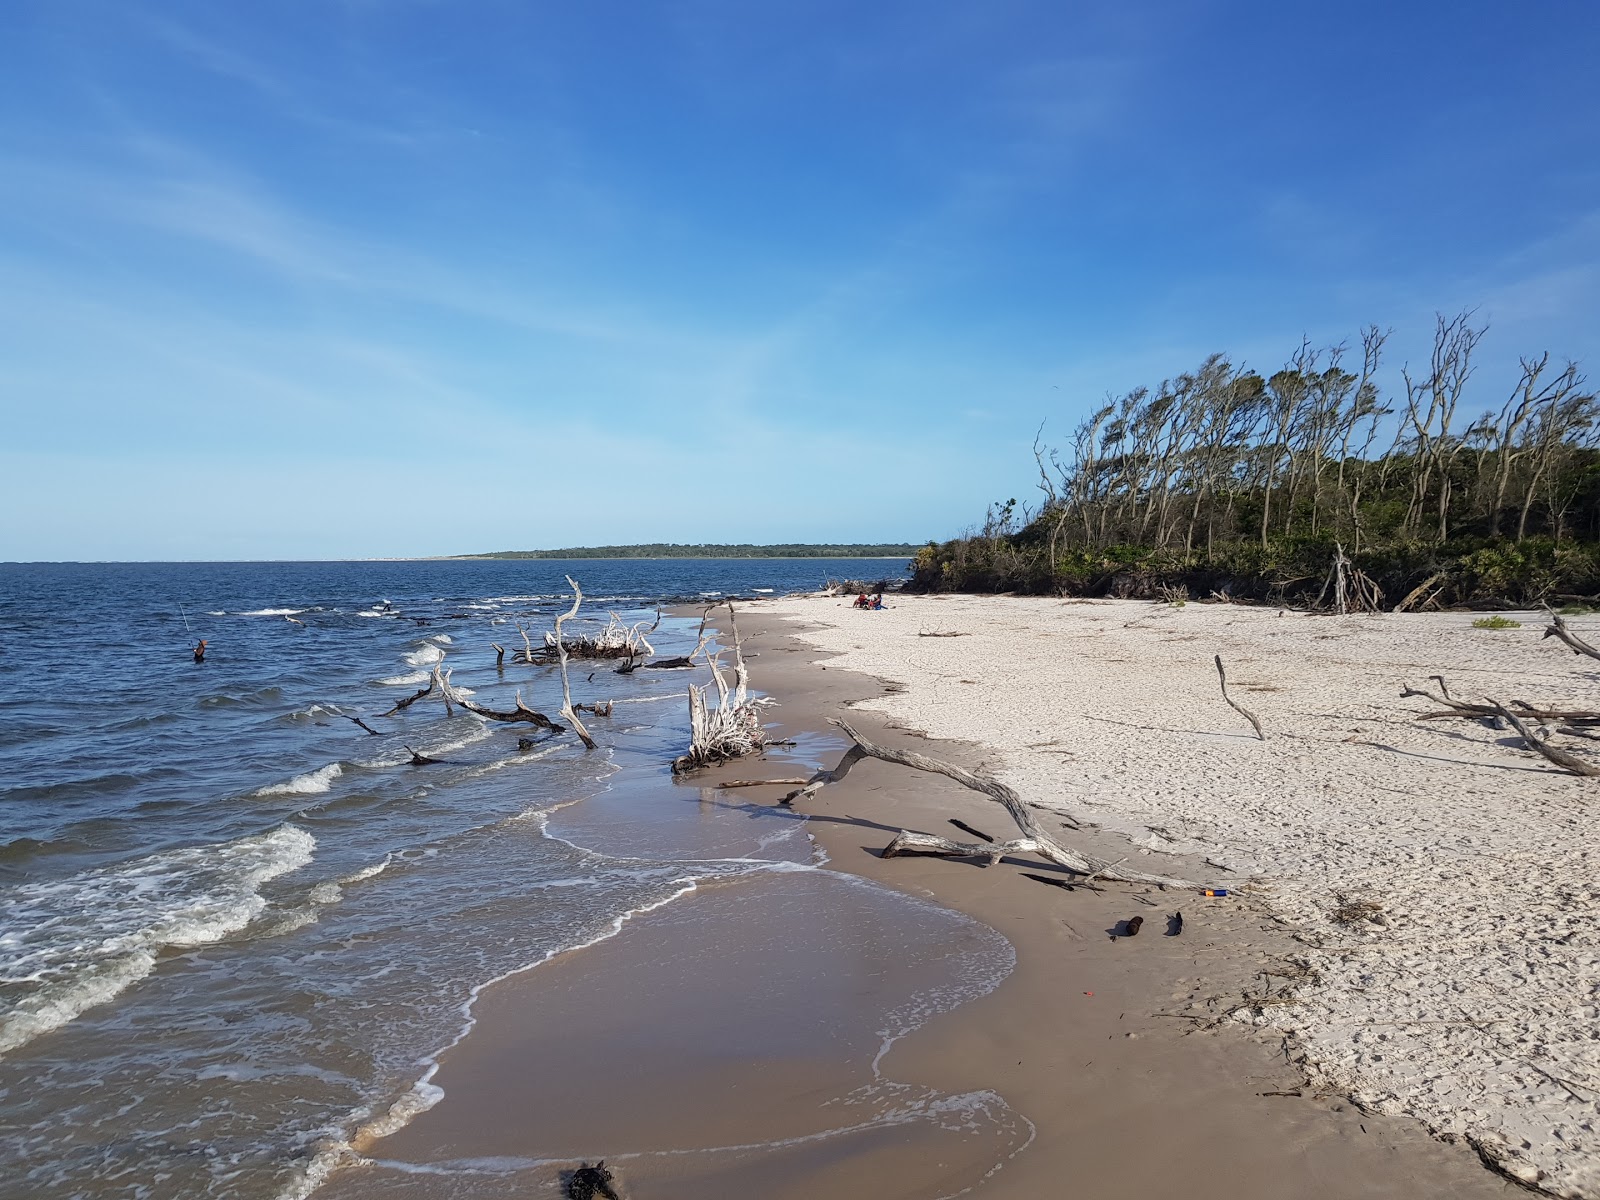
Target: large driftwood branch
x,y
1034,840
1559,757
1244,712
1479,712
452,695
1558,629
567,710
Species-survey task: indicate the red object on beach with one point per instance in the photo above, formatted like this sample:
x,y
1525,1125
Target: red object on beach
x,y
1088,993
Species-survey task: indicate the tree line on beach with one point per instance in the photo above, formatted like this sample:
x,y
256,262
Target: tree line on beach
x,y
1223,480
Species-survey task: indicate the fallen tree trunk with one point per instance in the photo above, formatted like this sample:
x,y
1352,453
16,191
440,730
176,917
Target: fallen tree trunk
x,y
1034,840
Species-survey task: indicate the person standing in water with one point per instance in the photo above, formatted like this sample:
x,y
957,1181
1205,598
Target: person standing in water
x,y
200,651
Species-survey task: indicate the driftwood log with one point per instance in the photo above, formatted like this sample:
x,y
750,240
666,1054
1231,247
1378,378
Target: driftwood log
x,y
1034,839
1244,712
421,760
363,725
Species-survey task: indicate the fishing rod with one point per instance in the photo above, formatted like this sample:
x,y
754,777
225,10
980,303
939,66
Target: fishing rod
x,y
185,619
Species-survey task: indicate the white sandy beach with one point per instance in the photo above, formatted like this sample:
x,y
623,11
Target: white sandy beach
x,y
1442,880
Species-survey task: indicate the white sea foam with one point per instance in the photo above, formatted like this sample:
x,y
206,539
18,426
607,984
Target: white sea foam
x,y
410,680
422,656
81,940
444,639
270,612
312,783
764,591
372,612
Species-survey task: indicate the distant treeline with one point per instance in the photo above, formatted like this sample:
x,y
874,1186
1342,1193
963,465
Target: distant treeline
x,y
1223,480
673,550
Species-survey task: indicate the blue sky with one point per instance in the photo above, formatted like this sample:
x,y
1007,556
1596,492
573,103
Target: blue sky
x,y
393,277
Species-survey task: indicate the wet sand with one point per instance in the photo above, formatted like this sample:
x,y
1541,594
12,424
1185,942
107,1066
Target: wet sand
x,y
741,1015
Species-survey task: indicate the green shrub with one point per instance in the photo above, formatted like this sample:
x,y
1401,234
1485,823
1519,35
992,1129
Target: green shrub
x,y
1496,622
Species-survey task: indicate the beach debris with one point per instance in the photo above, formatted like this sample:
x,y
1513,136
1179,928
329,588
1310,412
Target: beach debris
x,y
1034,840
293,621
965,828
1244,712
588,1182
361,723
1213,891
1132,926
733,728
671,664
567,710
421,760
944,633
601,708
744,783
1066,884
1175,925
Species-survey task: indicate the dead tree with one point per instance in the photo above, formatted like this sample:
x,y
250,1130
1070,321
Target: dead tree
x,y
567,710
1567,762
1222,677
1034,839
733,728
1558,629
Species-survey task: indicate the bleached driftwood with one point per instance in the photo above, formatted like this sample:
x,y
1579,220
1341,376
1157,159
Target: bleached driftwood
x,y
1244,712
1034,839
567,710
733,728
616,640
1558,629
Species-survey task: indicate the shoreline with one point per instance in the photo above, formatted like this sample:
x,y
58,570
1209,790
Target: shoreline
x,y
1119,1092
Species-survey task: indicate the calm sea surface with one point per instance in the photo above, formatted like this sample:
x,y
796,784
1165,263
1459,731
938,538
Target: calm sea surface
x,y
235,929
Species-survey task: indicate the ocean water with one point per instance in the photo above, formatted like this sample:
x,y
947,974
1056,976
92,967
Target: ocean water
x,y
236,930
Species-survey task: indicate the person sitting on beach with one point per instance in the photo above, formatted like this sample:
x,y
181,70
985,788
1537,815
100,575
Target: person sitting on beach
x,y
200,651
862,601
877,602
